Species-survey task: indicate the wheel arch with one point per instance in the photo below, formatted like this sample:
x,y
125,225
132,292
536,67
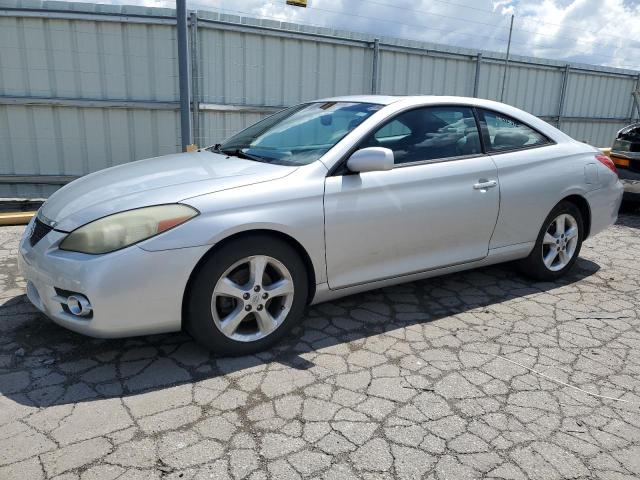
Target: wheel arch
x,y
583,205
304,255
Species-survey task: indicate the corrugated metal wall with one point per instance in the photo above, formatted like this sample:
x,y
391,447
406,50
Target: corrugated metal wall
x,y
598,96
84,87
44,140
535,89
56,58
405,73
88,59
251,68
599,134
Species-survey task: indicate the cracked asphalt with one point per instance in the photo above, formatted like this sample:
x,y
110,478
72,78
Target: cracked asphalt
x,y
482,374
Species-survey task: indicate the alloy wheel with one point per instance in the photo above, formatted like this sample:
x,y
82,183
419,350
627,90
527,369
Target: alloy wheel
x,y
560,242
252,298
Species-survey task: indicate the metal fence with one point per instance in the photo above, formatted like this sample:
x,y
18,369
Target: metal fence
x,y
87,86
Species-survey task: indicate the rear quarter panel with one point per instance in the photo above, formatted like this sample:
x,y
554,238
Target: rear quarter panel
x,y
533,181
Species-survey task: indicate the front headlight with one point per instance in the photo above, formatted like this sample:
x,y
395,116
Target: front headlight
x,y
126,228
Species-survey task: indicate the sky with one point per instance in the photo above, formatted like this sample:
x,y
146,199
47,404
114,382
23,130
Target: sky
x,y
599,32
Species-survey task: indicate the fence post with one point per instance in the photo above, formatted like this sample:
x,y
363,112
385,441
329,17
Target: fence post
x,y
195,90
476,80
563,93
634,100
374,67
183,73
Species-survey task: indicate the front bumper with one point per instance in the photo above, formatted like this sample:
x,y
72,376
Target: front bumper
x,y
132,291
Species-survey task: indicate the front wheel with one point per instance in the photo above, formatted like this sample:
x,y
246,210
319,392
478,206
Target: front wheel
x,y
558,244
246,295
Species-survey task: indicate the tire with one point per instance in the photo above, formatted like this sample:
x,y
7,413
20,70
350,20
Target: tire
x,y
223,289
534,266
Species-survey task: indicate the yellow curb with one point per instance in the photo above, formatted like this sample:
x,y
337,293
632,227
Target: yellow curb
x,y
606,151
15,218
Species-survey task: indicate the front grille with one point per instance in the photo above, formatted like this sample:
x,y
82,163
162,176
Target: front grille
x,y
40,229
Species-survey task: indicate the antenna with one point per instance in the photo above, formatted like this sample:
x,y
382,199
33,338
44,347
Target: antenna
x,y
506,60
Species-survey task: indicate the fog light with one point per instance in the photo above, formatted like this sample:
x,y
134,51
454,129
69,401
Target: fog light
x,y
78,305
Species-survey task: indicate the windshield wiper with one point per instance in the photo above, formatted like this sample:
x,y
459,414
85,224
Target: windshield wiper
x,y
215,148
240,154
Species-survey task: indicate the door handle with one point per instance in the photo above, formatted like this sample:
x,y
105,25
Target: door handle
x,y
484,184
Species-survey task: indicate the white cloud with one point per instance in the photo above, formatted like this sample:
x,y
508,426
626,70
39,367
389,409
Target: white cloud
x,y
601,32
604,32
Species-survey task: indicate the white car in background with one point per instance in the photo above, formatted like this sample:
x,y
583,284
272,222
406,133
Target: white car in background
x,y
321,200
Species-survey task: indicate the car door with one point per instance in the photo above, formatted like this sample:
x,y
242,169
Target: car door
x,y
533,173
438,206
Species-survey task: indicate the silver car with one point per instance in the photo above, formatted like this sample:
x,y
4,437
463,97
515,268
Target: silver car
x,y
321,200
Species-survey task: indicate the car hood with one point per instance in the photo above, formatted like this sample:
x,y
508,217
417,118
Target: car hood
x,y
167,179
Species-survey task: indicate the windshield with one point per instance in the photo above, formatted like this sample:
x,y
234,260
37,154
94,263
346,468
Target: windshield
x,y
298,135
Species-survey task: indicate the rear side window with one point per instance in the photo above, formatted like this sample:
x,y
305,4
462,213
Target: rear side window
x,y
506,133
428,134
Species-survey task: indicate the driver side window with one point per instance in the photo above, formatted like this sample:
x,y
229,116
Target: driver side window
x,y
428,133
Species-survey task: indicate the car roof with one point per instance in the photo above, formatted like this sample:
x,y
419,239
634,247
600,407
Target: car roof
x,y
412,99
377,99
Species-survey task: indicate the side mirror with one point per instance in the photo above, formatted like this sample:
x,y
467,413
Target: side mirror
x,y
371,159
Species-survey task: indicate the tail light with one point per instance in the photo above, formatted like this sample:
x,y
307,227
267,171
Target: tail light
x,y
620,162
607,162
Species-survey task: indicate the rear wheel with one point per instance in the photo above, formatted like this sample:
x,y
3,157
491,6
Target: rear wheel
x,y
247,295
558,244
